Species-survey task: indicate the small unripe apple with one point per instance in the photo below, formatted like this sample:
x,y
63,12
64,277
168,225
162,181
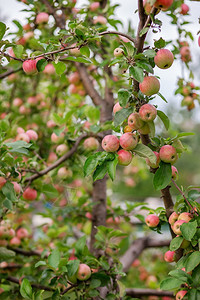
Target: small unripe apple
x,y
147,112
15,241
185,216
163,4
180,295
128,141
42,18
152,220
145,129
17,187
174,172
61,149
168,154
32,134
170,256
73,89
23,137
74,78
173,218
149,86
29,66
184,9
51,124
176,227
49,69
164,59
28,35
17,102
57,139
27,27
152,165
94,6
127,128
91,144
188,100
52,157
118,52
64,173
124,157
75,51
135,122
84,272
30,194
99,19
110,143
22,233
2,182
117,107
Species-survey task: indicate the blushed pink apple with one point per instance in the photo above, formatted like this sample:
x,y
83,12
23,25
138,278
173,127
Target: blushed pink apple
x,y
51,124
184,9
99,19
91,144
57,139
15,241
173,218
94,6
128,141
149,86
168,154
30,194
11,232
64,173
61,149
154,165
28,35
163,4
52,157
32,134
32,100
17,187
170,256
17,102
118,52
164,59
117,107
22,233
124,157
84,272
174,172
29,66
24,110
152,220
176,227
23,137
135,122
42,18
180,295
49,69
147,112
2,182
73,89
185,216
188,100
27,27
110,143
74,78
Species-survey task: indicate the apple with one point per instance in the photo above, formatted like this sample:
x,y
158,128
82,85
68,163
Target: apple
x,y
84,272
124,157
42,18
152,220
147,112
184,9
199,41
94,6
75,51
118,52
147,6
17,187
74,78
61,149
23,137
110,143
17,102
30,194
64,173
154,165
168,154
32,100
174,172
88,215
145,129
186,216
186,90
22,233
99,19
164,59
27,27
52,157
57,139
2,182
170,256
180,295
149,86
49,69
29,66
32,134
117,107
185,53
173,218
24,110
128,141
15,241
163,4
28,35
135,122
176,227
73,89
187,101
91,144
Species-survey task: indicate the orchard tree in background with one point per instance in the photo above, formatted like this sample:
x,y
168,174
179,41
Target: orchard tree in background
x,y
76,110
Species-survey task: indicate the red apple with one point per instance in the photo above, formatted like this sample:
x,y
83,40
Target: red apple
x,y
124,157
99,19
2,182
170,256
147,6
29,66
64,173
30,194
49,69
128,141
180,295
17,102
74,78
23,137
42,18
168,154
185,216
94,6
147,112
117,107
91,144
184,9
61,149
152,165
15,241
84,272
110,143
163,4
176,227
152,220
135,122
22,233
17,187
149,86
174,172
164,59
32,134
173,218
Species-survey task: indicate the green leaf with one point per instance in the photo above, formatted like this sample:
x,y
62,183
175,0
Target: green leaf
x,y
143,31
163,118
137,73
41,64
145,66
95,283
26,289
79,33
80,244
122,115
100,171
2,30
123,97
49,190
60,67
180,274
196,275
19,147
54,258
40,263
149,53
162,97
170,283
188,230
72,267
146,152
85,51
160,43
192,261
91,163
111,166
176,243
8,191
193,294
18,50
6,254
162,176
79,59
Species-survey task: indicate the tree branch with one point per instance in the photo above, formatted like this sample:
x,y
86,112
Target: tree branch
x,y
60,19
118,33
9,72
25,252
148,292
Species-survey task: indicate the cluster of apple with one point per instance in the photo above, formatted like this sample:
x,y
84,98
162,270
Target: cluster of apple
x,y
9,236
76,87
189,95
30,68
176,220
